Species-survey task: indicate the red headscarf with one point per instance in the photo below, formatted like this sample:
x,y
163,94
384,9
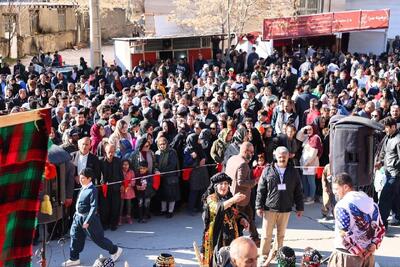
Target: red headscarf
x,y
95,137
315,142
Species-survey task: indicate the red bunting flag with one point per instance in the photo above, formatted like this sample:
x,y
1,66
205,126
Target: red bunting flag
x,y
156,181
104,188
319,171
50,171
186,174
219,167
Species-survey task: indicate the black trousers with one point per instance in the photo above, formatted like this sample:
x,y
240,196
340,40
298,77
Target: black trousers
x,y
94,231
110,208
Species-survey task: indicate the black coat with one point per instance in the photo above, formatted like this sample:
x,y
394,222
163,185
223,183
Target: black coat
x,y
270,198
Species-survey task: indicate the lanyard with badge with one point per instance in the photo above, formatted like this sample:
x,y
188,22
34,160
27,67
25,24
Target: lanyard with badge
x,y
281,185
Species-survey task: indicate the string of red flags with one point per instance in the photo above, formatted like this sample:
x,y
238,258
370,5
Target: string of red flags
x,y
186,172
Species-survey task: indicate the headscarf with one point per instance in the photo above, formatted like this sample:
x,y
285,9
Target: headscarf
x,y
141,142
95,137
315,142
205,136
223,134
239,136
164,154
192,142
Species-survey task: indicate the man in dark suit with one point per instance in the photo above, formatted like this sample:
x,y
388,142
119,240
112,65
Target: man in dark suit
x,y
206,116
87,222
111,170
83,159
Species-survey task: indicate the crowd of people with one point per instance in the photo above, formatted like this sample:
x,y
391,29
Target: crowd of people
x,y
263,121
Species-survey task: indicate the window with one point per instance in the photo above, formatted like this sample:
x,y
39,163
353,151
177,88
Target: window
x,y
307,7
61,20
10,21
34,21
153,45
206,42
182,43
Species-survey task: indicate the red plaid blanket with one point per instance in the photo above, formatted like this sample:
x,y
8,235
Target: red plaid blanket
x,y
23,152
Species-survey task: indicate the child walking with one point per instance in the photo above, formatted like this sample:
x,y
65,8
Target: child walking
x,y
127,192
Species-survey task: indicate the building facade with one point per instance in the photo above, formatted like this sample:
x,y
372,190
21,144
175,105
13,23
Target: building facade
x,y
27,28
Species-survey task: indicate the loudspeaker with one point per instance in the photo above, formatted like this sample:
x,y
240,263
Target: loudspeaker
x,y
352,146
55,188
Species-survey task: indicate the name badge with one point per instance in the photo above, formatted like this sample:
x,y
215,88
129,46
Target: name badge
x,y
281,187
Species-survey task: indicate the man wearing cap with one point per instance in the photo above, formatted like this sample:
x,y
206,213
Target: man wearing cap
x,y
254,104
86,222
72,144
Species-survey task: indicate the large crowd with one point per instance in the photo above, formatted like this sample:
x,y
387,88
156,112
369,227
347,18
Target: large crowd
x,y
134,128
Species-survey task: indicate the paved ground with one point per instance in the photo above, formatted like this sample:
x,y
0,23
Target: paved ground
x,y
143,242
71,56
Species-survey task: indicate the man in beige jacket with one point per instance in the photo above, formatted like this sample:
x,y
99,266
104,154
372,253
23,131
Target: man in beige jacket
x,y
239,170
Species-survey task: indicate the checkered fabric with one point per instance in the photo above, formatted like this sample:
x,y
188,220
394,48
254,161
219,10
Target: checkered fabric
x,y
23,152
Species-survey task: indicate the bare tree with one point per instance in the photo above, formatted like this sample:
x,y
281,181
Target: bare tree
x,y
229,16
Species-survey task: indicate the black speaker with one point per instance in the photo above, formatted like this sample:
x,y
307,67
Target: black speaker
x,y
352,146
55,188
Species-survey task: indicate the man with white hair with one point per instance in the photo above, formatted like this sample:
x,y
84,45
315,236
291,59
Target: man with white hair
x,y
244,111
243,252
279,189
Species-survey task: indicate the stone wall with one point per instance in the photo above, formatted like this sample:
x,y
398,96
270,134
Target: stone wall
x,y
3,47
114,24
49,42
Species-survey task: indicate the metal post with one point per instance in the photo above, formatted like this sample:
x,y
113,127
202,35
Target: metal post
x,y
95,34
43,262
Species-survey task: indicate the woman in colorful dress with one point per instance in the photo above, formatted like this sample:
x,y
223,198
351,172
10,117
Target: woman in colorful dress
x,y
221,218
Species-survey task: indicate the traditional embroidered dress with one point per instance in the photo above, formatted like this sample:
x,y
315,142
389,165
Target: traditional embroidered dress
x,y
221,226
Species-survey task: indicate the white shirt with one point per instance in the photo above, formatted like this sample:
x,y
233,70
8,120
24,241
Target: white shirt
x,y
82,161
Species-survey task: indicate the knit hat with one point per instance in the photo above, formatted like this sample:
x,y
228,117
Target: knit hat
x,y
311,258
164,260
286,257
103,262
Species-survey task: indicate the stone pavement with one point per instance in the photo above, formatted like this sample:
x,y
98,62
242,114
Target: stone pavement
x,y
143,242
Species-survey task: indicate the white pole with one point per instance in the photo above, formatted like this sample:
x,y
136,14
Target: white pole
x,y
95,34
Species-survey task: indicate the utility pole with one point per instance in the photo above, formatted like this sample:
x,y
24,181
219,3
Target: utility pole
x,y
95,34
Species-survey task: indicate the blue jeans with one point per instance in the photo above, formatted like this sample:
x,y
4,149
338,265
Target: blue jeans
x,y
308,185
389,197
94,231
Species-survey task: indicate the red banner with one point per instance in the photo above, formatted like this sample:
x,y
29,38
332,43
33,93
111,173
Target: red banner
x,y
374,19
346,21
324,24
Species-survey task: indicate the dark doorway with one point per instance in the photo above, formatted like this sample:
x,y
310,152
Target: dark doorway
x,y
345,42
164,55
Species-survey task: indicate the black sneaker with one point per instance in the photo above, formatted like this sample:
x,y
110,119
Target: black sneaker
x,y
169,215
